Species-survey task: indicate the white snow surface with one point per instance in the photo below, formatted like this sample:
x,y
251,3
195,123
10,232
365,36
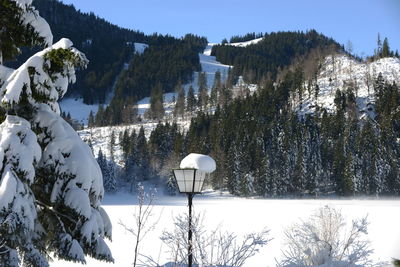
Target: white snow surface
x,y
247,43
19,152
78,110
199,162
19,146
140,47
340,70
242,216
68,153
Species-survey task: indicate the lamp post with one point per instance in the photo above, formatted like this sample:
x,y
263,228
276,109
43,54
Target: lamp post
x,y
194,169
190,181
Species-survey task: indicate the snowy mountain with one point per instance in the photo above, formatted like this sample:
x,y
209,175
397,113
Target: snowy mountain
x,y
100,136
341,72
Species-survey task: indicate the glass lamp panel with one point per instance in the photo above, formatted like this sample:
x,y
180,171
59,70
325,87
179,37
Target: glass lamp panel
x,y
184,179
179,176
200,176
189,176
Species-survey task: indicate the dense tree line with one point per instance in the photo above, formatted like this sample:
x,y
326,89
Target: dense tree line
x,y
145,159
164,63
246,37
276,51
107,46
263,148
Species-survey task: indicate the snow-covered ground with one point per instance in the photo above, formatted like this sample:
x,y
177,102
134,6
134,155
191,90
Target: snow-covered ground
x,y
243,216
340,70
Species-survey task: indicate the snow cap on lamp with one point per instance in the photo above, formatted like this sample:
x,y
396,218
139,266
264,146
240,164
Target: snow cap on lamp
x,y
199,162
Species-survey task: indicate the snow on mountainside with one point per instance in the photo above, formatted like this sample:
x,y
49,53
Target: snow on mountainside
x,y
244,44
337,72
140,47
209,65
100,136
79,110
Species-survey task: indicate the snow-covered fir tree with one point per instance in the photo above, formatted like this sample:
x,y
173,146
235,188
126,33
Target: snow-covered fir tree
x,y
50,184
108,171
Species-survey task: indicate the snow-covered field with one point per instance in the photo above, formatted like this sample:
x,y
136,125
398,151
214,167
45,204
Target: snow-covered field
x,y
244,216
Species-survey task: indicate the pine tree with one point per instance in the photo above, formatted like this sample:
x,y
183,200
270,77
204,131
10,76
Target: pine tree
x,y
180,102
49,176
142,157
216,89
111,146
100,117
156,110
108,171
385,48
191,101
203,91
91,119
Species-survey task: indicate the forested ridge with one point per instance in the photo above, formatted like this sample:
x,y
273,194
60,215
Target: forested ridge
x,y
274,52
109,47
264,148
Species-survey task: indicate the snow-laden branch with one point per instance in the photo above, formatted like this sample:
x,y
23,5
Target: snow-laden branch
x,y
45,76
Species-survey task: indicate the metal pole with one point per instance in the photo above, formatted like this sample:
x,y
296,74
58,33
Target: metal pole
x,y
190,249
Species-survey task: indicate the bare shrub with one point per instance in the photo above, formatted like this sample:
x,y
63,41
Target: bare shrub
x,y
143,215
214,248
327,239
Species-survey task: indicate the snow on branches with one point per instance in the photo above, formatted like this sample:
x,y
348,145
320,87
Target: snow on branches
x,y
30,16
325,240
44,77
51,185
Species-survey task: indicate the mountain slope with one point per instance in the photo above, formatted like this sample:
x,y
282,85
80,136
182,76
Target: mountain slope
x,y
340,72
263,58
107,46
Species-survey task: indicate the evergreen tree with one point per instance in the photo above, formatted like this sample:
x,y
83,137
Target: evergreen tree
x,y
385,48
91,121
180,102
142,157
100,117
111,146
191,100
156,111
49,176
203,91
108,171
216,89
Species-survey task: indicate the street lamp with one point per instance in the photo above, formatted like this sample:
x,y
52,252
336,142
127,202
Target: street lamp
x,y
194,169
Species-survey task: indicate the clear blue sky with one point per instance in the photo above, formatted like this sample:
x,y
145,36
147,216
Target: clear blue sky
x,y
358,21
